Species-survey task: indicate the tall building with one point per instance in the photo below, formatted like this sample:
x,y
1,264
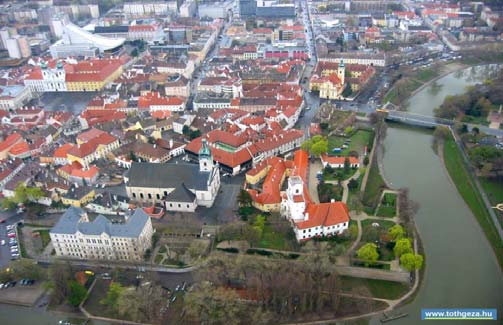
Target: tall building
x,y
247,8
12,46
75,236
24,46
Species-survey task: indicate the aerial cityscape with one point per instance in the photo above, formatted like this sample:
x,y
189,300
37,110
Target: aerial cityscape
x,y
251,162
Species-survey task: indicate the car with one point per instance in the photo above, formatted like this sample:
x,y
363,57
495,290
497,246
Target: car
x,y
14,250
2,242
1,285
22,282
3,220
13,283
11,235
10,227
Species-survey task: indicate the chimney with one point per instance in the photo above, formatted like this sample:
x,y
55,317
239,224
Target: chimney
x,y
332,200
171,143
306,216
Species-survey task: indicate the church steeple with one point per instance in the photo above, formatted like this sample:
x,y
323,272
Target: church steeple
x,y
205,157
341,71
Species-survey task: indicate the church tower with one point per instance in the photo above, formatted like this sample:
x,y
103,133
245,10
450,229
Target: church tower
x,y
205,157
341,71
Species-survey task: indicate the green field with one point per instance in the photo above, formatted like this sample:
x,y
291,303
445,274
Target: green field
x,y
359,140
467,189
426,75
375,184
388,206
393,95
378,288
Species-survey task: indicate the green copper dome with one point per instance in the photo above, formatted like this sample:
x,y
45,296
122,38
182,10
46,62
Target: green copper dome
x,y
205,151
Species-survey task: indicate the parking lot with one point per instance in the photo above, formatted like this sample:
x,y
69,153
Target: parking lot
x,y
5,250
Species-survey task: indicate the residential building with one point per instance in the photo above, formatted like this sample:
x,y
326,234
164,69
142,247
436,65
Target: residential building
x,y
78,196
75,236
12,97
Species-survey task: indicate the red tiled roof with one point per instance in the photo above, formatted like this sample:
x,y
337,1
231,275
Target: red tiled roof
x,y
90,147
155,99
89,135
325,214
338,160
62,151
10,141
19,148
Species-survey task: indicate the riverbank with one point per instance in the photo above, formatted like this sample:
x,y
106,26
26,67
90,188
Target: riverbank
x,y
453,162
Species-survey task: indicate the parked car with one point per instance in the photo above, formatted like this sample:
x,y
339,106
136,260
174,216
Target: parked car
x,y
2,242
11,235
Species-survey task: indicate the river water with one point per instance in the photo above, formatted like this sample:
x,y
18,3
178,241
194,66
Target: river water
x,y
461,269
429,98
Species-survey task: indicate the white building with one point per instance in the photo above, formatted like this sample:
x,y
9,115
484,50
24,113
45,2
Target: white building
x,y
12,46
216,10
158,8
79,42
12,97
188,8
75,236
180,187
310,219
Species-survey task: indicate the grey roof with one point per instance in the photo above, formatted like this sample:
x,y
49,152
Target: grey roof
x,y
181,194
69,224
167,175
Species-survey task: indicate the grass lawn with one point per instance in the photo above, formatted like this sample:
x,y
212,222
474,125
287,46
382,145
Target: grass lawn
x,y
333,177
372,234
44,236
388,206
271,239
378,288
359,140
375,184
482,120
426,75
386,224
464,183
493,188
410,86
388,212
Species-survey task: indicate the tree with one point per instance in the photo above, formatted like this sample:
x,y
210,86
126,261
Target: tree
x,y
396,232
366,160
209,304
251,234
355,203
353,184
77,293
60,273
141,304
411,262
244,198
113,294
347,166
22,195
185,130
368,253
402,246
134,53
27,269
319,148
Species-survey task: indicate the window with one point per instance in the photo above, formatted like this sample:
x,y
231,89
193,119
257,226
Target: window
x,y
165,193
141,195
149,195
179,205
158,196
187,206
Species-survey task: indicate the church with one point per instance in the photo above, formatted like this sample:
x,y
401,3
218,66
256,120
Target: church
x,y
179,187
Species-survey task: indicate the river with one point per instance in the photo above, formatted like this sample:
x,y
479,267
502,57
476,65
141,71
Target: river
x,y
461,269
426,100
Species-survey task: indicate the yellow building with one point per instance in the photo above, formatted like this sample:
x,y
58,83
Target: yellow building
x,y
92,75
78,197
